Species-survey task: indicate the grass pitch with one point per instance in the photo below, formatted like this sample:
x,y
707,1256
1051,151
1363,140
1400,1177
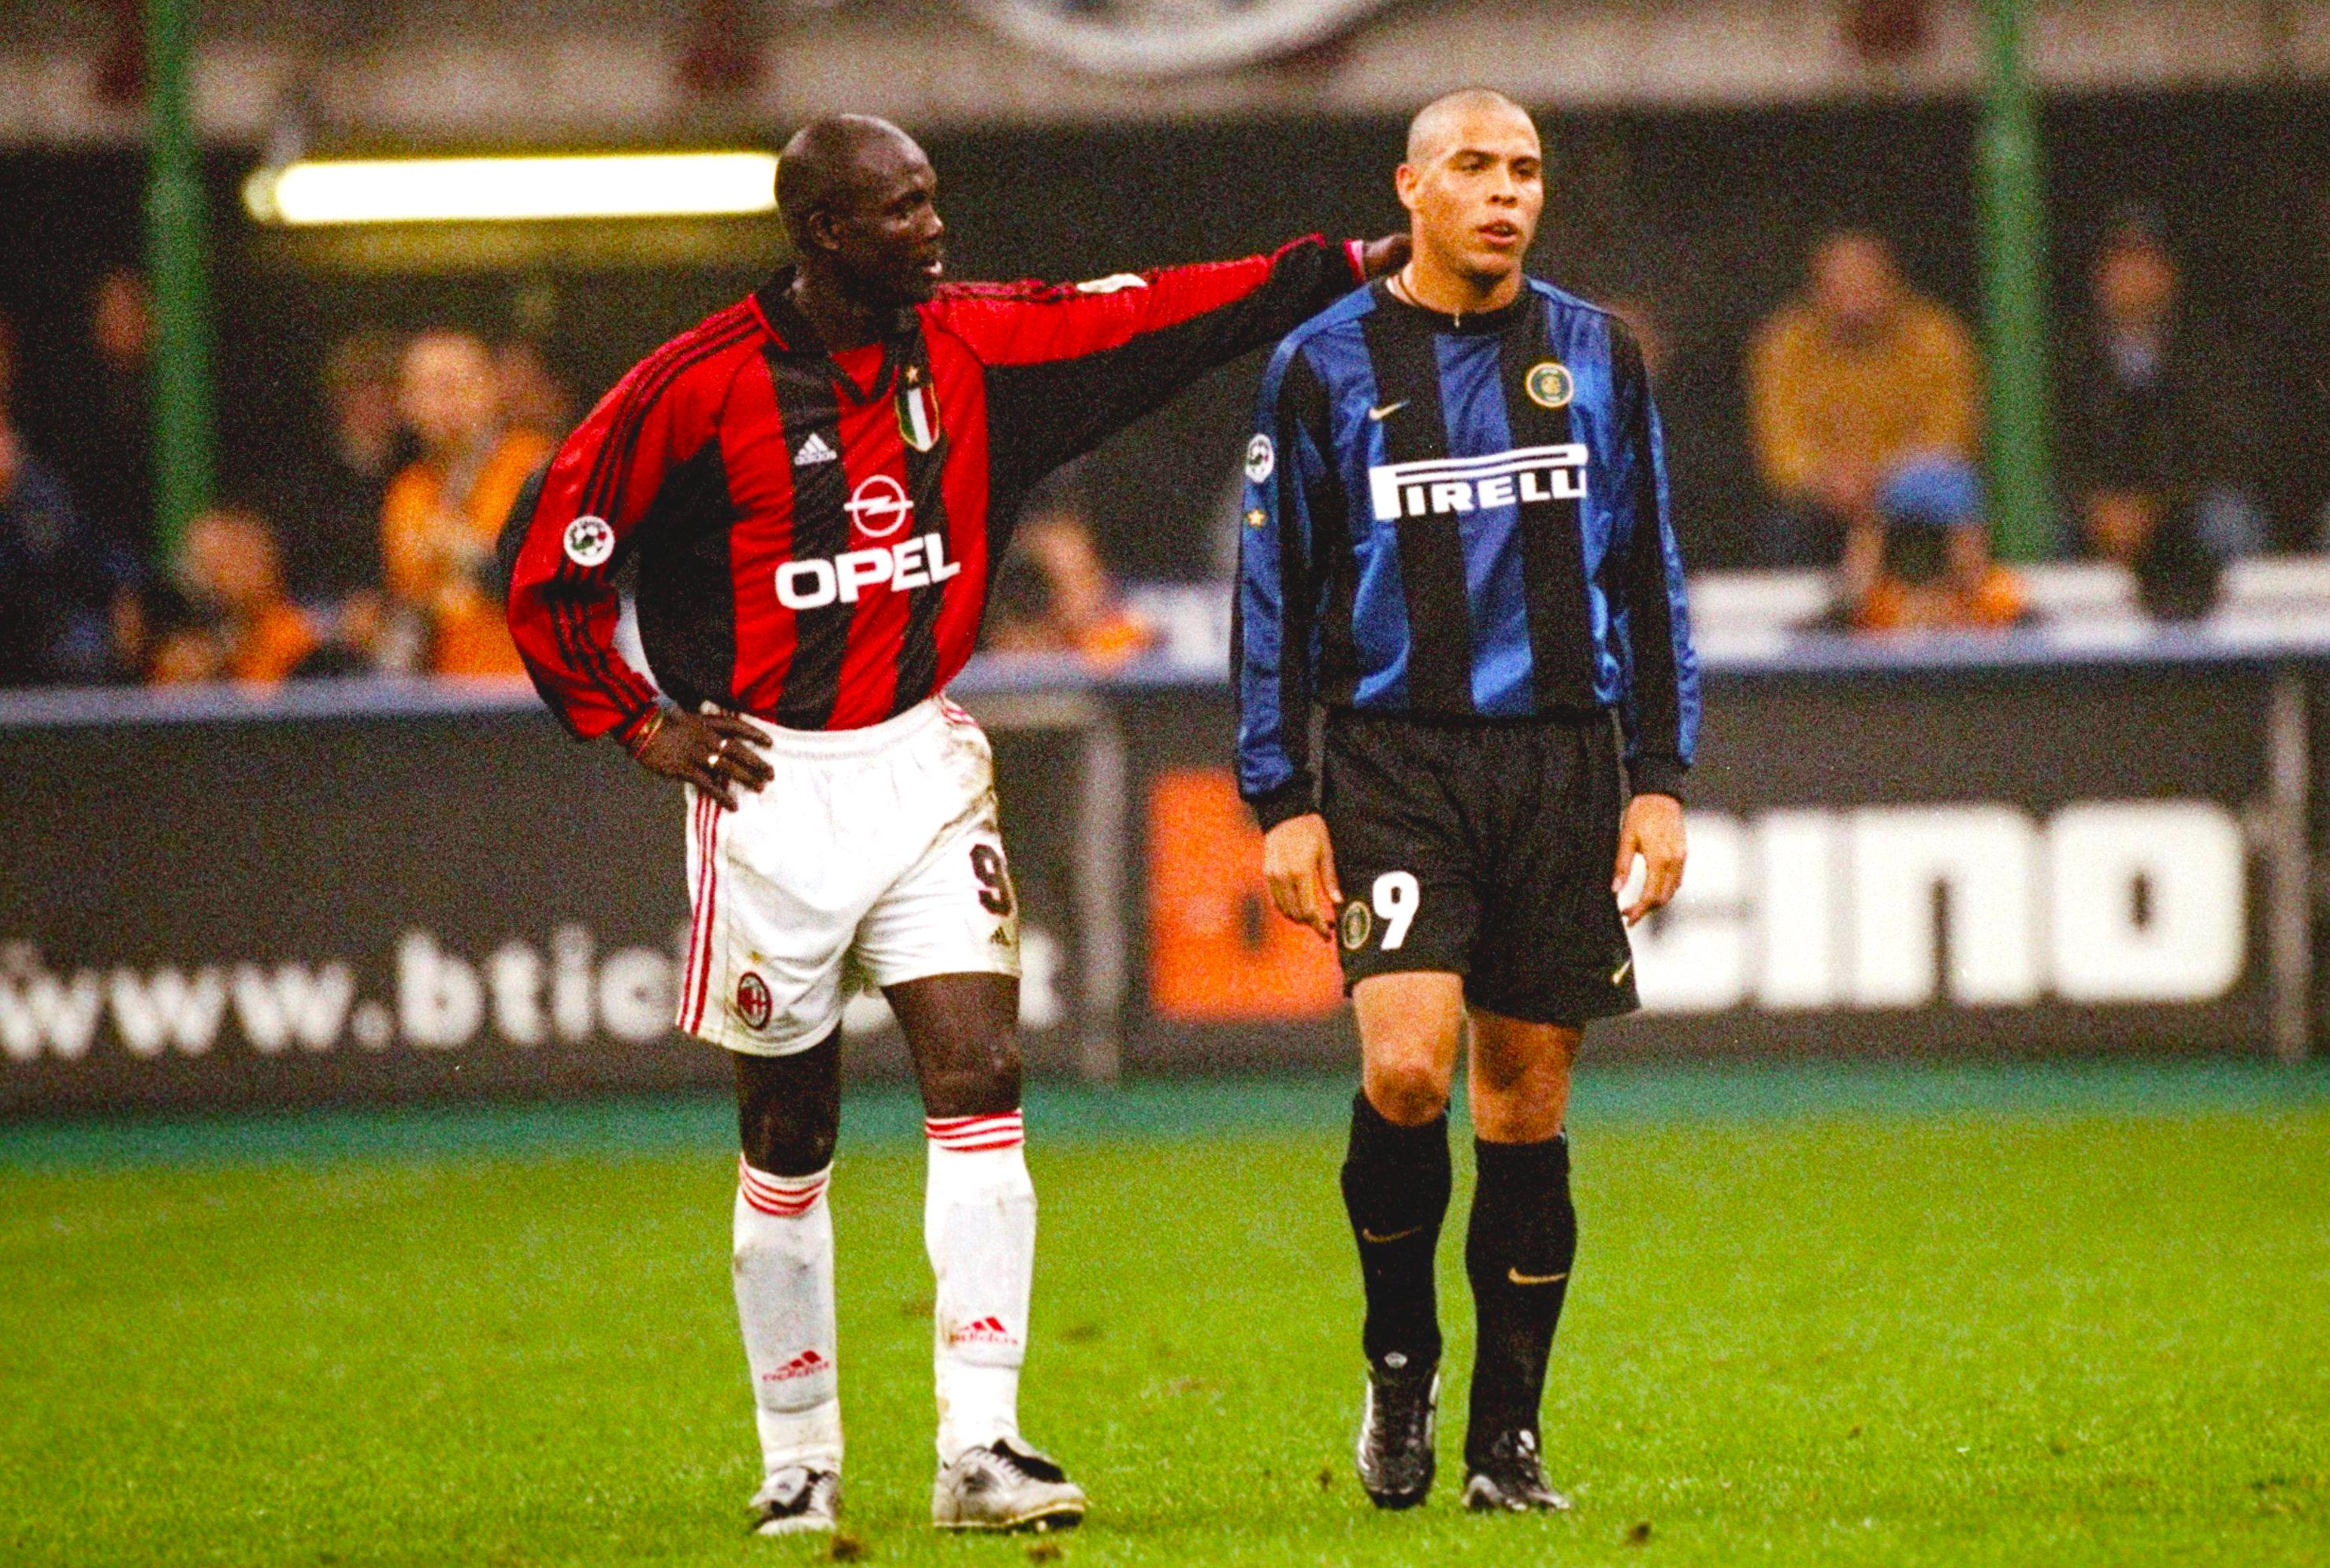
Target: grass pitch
x,y
1993,1317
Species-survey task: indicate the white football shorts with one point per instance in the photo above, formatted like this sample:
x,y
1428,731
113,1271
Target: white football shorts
x,y
872,857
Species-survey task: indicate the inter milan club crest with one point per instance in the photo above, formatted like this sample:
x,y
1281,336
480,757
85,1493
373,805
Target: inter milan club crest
x,y
1550,384
753,1003
918,412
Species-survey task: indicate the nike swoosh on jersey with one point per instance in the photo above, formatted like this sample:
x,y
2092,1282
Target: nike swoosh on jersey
x,y
1386,410
1518,1278
1367,1236
1618,975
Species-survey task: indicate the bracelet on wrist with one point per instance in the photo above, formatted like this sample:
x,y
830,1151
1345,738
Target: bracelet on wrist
x,y
646,731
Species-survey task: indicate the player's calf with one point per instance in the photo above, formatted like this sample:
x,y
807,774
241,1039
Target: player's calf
x,y
781,1265
978,1220
1396,1181
1519,1251
782,1258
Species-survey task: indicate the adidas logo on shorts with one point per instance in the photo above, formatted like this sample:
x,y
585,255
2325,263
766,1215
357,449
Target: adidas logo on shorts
x,y
813,451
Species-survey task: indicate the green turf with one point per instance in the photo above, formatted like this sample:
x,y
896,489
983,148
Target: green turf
x,y
2007,1323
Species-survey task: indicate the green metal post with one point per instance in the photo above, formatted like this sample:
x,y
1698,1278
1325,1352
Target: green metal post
x,y
177,262
2011,197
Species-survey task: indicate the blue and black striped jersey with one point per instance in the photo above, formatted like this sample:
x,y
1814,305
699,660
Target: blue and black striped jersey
x,y
1458,518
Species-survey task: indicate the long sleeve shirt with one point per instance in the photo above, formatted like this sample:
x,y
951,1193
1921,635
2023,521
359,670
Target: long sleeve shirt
x,y
815,531
1915,387
1458,518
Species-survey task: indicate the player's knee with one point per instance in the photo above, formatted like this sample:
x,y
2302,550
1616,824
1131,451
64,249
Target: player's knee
x,y
1407,1093
1542,1079
796,1142
1561,1052
1523,1099
789,1111
980,1076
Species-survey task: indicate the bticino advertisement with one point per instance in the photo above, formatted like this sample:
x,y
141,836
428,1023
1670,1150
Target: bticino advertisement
x,y
473,904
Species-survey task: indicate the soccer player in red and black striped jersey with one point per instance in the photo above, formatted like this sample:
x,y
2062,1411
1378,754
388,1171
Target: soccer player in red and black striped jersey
x,y
816,485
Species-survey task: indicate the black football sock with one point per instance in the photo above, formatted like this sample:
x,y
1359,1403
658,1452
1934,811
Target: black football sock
x,y
1518,1250
1395,1189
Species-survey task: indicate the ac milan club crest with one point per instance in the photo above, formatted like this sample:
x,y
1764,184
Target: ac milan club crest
x,y
752,1001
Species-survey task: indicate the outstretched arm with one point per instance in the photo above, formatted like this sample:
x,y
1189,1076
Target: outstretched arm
x,y
1068,364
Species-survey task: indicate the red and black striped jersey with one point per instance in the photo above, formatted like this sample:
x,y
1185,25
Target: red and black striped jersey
x,y
815,532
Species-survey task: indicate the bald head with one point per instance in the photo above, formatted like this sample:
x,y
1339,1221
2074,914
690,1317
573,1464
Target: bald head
x,y
858,199
828,159
1473,185
1442,124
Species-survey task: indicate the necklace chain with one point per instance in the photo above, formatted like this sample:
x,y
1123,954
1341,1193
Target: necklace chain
x,y
1406,291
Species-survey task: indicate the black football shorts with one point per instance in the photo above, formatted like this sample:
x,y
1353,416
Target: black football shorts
x,y
1481,848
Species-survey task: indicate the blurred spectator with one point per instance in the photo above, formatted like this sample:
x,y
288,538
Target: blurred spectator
x,y
2178,572
1920,562
533,397
111,464
2160,420
68,595
1846,385
238,622
1055,596
331,554
1705,469
443,512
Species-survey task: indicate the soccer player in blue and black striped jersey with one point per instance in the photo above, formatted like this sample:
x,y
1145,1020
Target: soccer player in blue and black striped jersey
x,y
1456,543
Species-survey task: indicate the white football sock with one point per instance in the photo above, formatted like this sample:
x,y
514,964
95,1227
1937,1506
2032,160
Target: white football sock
x,y
978,1223
783,1260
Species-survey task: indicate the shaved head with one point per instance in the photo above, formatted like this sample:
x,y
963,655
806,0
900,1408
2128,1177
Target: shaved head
x,y
859,202
1473,185
1441,123
828,160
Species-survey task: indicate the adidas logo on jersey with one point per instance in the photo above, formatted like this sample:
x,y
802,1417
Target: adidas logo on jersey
x,y
814,451
1435,486
807,1364
982,1331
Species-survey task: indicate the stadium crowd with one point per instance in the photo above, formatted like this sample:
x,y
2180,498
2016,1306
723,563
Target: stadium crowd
x,y
1865,422
1862,429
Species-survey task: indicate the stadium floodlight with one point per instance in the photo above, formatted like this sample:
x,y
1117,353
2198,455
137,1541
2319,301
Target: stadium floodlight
x,y
517,189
